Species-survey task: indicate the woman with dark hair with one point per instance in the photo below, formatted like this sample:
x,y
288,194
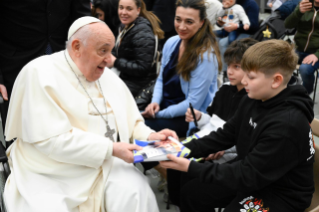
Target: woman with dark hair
x,y
106,10
135,46
189,71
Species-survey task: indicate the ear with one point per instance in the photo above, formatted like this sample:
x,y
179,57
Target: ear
x,y
202,23
76,45
139,10
278,79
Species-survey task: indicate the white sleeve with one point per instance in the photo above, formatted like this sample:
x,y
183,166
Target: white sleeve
x,y
203,120
213,10
242,15
77,147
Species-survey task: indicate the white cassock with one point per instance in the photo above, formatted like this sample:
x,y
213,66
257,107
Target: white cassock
x,y
61,161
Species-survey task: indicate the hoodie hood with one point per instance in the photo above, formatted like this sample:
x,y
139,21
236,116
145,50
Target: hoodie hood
x,y
293,95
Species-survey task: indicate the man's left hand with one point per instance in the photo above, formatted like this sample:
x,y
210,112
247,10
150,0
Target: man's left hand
x,y
180,164
310,59
162,135
231,27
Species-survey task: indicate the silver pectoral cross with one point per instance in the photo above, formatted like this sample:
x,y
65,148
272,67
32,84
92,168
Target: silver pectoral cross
x,y
109,133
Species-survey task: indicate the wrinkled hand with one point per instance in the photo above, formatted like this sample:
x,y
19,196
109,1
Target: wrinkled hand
x,y
215,156
162,135
231,27
310,59
246,27
111,61
176,163
305,6
189,116
124,151
151,110
3,91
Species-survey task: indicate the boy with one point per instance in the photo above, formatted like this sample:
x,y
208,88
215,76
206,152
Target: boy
x,y
231,13
226,100
271,128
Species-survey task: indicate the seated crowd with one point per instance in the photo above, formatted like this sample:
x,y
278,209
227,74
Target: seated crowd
x,y
250,140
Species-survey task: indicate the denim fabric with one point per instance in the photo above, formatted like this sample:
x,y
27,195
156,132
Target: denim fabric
x,y
307,71
231,35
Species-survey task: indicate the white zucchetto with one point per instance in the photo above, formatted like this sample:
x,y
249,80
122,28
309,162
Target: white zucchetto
x,y
81,22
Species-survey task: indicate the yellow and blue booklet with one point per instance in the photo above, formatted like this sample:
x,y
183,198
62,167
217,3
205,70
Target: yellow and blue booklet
x,y
158,150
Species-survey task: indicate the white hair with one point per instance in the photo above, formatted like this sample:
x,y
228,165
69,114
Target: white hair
x,y
82,35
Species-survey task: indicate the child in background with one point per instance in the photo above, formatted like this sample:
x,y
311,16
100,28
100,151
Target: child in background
x,y
226,100
232,13
271,129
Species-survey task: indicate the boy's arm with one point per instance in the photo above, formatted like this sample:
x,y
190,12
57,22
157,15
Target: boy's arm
x,y
216,141
242,15
267,162
252,12
204,119
293,19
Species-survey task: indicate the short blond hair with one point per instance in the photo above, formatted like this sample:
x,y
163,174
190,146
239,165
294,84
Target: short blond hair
x,y
270,57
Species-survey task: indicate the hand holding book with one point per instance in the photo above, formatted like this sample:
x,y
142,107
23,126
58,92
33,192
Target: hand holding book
x,y
158,150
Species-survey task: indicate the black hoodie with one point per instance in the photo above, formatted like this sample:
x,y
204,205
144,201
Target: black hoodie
x,y
275,150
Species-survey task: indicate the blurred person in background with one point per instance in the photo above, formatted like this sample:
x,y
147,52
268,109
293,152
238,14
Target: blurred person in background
x,y
106,10
29,29
133,54
190,65
252,11
305,20
165,11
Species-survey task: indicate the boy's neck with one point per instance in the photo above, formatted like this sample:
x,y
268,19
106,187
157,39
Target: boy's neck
x,y
276,92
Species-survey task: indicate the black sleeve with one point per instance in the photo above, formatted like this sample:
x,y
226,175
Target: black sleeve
x,y
79,8
216,141
269,160
144,49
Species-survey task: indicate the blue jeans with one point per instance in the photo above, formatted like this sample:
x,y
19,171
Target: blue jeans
x,y
307,71
231,35
223,45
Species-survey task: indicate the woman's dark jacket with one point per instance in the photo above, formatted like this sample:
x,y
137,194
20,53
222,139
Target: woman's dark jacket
x,y
135,55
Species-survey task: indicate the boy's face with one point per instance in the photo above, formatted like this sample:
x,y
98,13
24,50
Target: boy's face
x,y
227,3
235,74
258,86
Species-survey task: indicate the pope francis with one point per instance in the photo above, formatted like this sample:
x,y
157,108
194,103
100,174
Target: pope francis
x,y
67,112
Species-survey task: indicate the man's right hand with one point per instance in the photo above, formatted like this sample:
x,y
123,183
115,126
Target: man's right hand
x,y
151,110
124,151
305,6
3,91
189,116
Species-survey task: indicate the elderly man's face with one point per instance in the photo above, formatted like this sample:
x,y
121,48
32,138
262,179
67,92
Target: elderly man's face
x,y
95,55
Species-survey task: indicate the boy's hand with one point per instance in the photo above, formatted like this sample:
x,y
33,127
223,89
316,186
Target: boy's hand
x,y
162,135
215,156
220,22
180,164
189,116
310,59
305,6
246,27
151,110
231,27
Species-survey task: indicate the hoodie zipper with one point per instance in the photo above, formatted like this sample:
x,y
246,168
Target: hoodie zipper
x,y
313,27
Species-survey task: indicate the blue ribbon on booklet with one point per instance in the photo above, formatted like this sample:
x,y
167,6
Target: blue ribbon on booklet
x,y
158,150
